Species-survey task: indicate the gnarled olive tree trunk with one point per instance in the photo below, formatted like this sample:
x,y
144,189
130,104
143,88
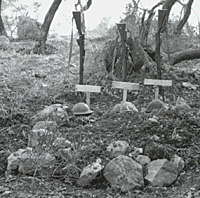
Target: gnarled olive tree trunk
x,y
46,25
145,25
2,28
185,17
185,55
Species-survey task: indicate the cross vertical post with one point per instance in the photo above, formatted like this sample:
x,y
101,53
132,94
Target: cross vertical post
x,y
123,33
81,43
161,18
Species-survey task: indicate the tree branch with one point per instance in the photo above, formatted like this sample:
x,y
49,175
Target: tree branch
x,y
185,17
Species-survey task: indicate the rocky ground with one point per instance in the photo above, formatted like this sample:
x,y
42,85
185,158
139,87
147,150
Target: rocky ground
x,y
31,82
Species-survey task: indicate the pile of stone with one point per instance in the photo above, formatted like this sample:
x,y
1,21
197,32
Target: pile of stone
x,y
129,168
133,170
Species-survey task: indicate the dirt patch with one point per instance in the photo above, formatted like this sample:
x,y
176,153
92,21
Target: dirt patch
x,y
29,83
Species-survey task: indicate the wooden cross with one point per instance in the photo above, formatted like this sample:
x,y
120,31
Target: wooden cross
x,y
88,89
125,86
156,83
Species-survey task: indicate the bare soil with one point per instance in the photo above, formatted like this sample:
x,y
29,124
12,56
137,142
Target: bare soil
x,y
30,82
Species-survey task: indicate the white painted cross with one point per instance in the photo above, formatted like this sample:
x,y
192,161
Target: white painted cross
x,y
156,83
88,89
125,86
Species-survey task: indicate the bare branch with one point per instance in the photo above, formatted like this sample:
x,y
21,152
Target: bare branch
x,y
185,17
87,6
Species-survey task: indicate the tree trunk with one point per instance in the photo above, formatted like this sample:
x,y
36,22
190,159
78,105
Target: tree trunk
x,y
145,25
167,6
185,55
46,25
185,17
2,28
137,55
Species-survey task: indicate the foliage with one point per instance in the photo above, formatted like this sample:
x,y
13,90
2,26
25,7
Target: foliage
x,y
17,10
28,28
101,29
8,3
31,82
11,20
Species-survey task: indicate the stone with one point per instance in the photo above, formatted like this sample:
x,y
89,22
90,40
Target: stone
x,y
189,85
27,162
3,161
55,112
13,159
198,113
89,173
154,150
154,119
143,160
43,134
136,151
118,148
155,138
47,125
161,173
4,42
178,162
37,163
124,174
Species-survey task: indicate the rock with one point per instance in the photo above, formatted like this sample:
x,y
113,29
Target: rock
x,y
27,162
4,42
136,152
154,150
161,173
154,119
118,148
189,85
155,105
181,105
124,174
143,160
155,138
47,125
13,159
178,162
56,112
89,173
3,161
40,163
43,134
123,107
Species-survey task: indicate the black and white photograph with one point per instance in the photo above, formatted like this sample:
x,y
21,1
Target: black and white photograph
x,y
99,98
